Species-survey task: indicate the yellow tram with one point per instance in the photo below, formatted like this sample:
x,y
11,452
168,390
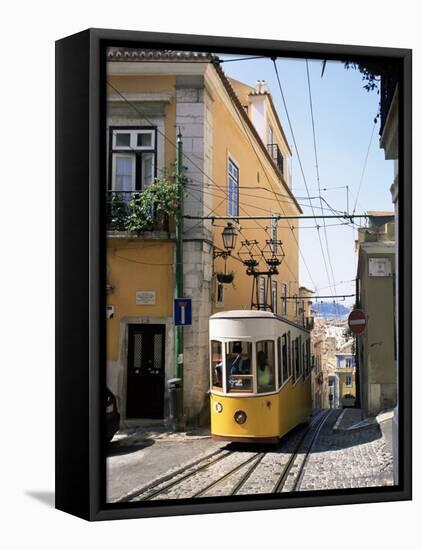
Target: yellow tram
x,y
260,366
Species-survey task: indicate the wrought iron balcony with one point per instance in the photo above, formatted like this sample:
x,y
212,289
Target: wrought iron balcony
x,y
118,208
276,155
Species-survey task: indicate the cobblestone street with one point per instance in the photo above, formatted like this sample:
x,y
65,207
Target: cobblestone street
x,y
347,459
335,452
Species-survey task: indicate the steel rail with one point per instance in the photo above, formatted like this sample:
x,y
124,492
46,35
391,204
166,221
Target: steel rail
x,y
171,475
257,457
278,487
299,477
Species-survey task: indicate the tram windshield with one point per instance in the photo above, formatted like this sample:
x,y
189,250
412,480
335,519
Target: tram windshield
x,y
239,366
265,366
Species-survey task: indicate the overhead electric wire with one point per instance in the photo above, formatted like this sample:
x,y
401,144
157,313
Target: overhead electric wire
x,y
240,230
242,59
300,163
169,140
317,175
365,164
145,117
207,192
269,181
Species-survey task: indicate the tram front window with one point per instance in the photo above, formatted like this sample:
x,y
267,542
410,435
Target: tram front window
x,y
216,364
265,366
239,366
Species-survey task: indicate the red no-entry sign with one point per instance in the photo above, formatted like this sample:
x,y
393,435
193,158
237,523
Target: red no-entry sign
x,y
357,321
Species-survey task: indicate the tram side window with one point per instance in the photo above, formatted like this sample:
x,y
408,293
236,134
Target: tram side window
x,y
239,366
216,364
300,352
265,366
279,362
284,356
296,358
308,356
293,359
289,353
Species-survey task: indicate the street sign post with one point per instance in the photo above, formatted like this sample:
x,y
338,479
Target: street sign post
x,y
182,311
357,321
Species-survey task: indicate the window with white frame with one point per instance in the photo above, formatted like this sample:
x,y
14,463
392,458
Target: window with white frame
x,y
219,294
348,380
133,159
274,295
262,292
233,189
283,300
270,135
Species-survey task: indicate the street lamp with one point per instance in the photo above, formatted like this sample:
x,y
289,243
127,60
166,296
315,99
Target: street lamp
x,y
229,235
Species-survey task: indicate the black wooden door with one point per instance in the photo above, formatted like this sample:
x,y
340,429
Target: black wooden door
x,y
145,372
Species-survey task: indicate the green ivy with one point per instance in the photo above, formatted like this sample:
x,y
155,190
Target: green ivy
x,y
118,212
161,197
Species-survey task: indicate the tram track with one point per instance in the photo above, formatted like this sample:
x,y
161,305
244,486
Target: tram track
x,y
282,484
230,472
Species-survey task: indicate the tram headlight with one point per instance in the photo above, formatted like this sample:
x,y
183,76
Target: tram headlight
x,y
240,417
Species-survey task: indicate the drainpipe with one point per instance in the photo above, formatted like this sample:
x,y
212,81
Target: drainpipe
x,y
178,278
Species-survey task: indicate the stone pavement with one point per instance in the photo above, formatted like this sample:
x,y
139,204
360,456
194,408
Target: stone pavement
x,y
346,456
138,455
349,452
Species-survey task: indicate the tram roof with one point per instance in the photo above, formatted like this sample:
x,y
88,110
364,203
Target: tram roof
x,y
254,314
244,314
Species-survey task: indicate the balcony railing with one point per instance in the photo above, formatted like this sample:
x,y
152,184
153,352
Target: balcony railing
x,y
276,155
118,208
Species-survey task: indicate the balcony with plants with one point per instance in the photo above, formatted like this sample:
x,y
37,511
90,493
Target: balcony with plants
x,y
149,212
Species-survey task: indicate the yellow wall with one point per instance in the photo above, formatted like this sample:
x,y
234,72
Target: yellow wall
x,y
230,140
131,267
343,389
153,84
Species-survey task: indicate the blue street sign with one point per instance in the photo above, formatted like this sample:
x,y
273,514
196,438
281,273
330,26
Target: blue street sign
x,y
182,311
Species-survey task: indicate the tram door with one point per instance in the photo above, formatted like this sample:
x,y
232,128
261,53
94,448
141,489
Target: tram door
x,y
145,371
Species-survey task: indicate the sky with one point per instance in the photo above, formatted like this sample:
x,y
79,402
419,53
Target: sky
x,y
344,115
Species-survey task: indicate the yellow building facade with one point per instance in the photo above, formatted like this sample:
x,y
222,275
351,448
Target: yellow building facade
x,y
236,163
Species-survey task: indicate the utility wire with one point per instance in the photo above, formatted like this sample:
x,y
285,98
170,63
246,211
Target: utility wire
x,y
259,197
242,59
365,164
300,163
269,181
317,173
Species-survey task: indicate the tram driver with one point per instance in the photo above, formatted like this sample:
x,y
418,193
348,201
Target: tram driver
x,y
239,361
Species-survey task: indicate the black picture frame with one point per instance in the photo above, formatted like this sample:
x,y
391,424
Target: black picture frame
x,y
80,272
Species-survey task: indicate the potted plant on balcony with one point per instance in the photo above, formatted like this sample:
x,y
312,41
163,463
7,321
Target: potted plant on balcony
x,y
152,205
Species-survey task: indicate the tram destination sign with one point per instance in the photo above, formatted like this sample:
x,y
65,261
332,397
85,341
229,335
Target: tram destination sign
x,y
357,321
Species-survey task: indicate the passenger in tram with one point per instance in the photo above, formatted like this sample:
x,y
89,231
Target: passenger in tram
x,y
264,369
218,375
235,358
